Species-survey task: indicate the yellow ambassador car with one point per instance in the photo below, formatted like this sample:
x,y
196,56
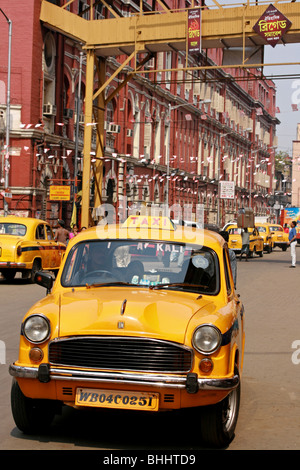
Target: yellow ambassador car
x,y
279,237
265,231
235,240
121,328
27,245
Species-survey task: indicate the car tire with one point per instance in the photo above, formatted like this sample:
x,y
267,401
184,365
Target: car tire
x,y
35,268
284,247
31,416
218,422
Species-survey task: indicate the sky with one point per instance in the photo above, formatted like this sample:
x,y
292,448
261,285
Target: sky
x,y
288,89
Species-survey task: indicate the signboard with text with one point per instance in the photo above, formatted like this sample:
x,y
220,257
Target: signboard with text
x,y
60,193
272,25
226,189
194,31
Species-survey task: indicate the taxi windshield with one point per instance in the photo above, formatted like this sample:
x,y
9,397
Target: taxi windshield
x,y
154,264
13,229
276,228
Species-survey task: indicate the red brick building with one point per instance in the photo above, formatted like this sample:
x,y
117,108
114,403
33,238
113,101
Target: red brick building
x,y
170,136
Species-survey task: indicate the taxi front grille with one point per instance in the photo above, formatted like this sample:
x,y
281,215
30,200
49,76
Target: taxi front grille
x,y
116,353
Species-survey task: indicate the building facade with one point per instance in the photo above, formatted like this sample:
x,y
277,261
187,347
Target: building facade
x,y
170,137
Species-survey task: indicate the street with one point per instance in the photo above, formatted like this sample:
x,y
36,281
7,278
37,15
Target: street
x,y
270,404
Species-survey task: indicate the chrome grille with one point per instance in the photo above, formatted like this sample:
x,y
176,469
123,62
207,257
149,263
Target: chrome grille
x,y
119,353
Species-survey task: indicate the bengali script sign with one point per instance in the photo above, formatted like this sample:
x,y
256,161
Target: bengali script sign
x,y
194,31
272,25
60,193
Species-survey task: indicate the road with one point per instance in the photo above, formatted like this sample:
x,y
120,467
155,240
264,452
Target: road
x,y
270,405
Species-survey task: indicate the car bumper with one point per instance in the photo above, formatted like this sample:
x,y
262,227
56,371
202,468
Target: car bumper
x,y
45,374
11,264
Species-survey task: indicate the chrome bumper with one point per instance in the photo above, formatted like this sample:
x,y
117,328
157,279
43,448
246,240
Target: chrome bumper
x,y
169,381
12,264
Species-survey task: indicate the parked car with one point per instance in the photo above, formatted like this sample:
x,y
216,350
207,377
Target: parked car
x,y
279,237
27,245
235,240
265,231
126,332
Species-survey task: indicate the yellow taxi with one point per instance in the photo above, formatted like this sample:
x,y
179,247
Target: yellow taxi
x,y
120,328
265,231
279,237
256,245
27,245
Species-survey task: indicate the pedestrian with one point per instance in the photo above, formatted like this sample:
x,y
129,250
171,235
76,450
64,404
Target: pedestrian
x,y
232,256
245,243
61,234
293,243
73,232
286,228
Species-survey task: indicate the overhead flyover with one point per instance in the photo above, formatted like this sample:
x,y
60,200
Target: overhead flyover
x,y
222,26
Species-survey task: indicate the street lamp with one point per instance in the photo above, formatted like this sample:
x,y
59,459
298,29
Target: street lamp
x,y
6,166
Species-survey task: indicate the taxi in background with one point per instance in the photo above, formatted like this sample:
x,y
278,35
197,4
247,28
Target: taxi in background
x,y
279,237
265,231
118,330
27,245
235,240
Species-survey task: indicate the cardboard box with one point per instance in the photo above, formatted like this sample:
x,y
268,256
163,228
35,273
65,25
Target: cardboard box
x,y
245,218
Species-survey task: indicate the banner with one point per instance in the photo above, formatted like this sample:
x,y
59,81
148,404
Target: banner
x,y
272,25
194,31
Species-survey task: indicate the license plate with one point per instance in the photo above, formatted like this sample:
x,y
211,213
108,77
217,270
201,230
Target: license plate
x,y
117,399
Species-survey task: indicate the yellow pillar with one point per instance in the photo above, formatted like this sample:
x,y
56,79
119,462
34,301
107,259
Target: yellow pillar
x,y
86,176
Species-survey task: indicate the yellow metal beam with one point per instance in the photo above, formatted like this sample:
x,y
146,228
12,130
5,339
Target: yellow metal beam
x,y
161,31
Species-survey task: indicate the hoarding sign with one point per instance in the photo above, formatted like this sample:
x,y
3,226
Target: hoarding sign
x,y
272,25
194,31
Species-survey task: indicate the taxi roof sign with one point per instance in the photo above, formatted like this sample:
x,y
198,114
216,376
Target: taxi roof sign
x,y
147,221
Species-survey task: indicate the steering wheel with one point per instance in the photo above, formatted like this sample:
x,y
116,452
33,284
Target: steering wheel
x,y
100,272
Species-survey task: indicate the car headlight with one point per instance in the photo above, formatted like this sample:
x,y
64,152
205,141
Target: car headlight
x,y
207,339
36,328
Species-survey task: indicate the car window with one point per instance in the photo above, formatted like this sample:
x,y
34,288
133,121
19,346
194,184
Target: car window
x,y
276,229
49,233
235,231
143,263
13,229
40,232
262,229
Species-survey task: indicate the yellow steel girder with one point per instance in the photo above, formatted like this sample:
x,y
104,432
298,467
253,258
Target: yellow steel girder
x,y
150,33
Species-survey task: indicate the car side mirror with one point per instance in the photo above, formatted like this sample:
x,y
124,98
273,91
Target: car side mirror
x,y
44,279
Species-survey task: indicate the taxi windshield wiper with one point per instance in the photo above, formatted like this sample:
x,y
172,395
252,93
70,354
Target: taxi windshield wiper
x,y
111,283
175,284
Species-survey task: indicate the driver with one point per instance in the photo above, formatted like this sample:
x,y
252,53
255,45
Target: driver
x,y
98,258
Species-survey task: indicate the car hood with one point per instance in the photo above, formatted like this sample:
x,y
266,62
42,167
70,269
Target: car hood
x,y
154,313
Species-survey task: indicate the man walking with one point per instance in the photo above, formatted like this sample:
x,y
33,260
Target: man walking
x,y
293,243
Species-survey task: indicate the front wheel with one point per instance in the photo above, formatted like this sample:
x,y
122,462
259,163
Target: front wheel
x,y
218,422
31,416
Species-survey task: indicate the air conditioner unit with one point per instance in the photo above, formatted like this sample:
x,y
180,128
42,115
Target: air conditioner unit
x,y
49,109
68,113
114,128
129,133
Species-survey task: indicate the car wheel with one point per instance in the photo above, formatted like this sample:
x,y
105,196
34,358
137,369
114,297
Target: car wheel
x,y
218,422
284,247
31,415
261,253
35,268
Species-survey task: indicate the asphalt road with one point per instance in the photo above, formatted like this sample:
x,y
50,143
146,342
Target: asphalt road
x,y
270,405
